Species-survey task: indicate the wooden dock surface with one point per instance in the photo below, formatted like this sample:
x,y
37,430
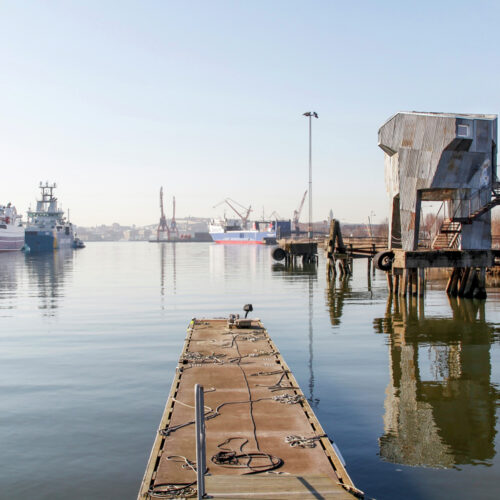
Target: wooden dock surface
x,y
254,412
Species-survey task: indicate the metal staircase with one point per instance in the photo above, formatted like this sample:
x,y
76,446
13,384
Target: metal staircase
x,y
448,235
450,230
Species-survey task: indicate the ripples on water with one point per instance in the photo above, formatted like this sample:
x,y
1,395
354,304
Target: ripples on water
x,y
90,340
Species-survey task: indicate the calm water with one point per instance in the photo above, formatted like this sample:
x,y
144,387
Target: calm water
x,y
90,340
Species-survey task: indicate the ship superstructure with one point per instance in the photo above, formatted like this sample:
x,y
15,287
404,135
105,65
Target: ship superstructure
x,y
47,227
11,229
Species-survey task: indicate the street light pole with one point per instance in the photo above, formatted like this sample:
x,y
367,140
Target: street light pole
x,y
310,114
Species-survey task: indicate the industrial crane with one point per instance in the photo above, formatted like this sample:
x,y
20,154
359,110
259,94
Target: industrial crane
x,y
173,223
162,226
244,218
296,213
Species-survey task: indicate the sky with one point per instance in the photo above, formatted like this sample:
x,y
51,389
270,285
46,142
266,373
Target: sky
x,y
112,99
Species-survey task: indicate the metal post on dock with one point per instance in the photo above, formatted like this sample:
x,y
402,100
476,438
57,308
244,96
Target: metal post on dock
x,y
199,398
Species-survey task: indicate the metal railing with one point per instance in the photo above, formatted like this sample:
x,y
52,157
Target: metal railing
x,y
201,450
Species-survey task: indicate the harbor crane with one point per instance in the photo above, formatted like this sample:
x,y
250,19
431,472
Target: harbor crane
x,y
173,224
296,213
162,226
244,218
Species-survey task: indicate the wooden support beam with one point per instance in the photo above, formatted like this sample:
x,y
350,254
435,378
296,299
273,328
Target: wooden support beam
x,y
469,284
404,288
450,281
414,288
480,291
421,281
396,284
390,284
455,283
463,281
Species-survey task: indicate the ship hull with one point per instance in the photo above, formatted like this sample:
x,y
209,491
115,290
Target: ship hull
x,y
242,237
11,239
47,241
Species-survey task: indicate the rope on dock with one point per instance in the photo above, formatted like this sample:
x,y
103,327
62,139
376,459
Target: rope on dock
x,y
303,442
240,459
199,357
289,399
165,490
278,386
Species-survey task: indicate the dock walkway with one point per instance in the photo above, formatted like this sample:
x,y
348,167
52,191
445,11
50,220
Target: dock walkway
x,y
262,437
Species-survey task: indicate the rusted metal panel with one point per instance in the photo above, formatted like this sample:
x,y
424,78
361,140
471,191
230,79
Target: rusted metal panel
x,y
445,154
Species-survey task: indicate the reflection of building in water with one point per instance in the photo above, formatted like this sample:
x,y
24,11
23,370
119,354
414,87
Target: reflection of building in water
x,y
49,270
440,403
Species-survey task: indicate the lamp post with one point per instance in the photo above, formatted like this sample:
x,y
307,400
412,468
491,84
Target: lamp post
x,y
310,115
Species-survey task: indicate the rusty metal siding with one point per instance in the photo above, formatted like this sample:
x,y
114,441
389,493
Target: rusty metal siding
x,y
439,151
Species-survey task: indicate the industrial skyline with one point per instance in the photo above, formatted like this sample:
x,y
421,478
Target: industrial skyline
x,y
113,100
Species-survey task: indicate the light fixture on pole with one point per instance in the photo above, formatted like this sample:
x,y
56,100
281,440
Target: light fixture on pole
x,y
310,115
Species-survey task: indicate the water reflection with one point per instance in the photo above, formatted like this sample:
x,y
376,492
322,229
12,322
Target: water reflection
x,y
335,297
310,272
48,271
440,402
10,265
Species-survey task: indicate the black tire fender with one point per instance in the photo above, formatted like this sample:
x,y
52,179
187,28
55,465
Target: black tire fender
x,y
278,254
383,260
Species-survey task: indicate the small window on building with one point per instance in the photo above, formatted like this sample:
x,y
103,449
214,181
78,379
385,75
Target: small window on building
x,y
463,130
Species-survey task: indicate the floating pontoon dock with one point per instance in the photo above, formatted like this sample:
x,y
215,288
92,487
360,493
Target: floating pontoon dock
x,y
263,440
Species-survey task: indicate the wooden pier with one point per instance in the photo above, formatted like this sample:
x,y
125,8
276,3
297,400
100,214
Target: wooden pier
x,y
263,440
406,274
292,250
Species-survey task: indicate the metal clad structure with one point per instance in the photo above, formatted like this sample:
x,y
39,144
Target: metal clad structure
x,y
439,156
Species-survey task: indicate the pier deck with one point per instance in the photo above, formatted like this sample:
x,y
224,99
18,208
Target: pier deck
x,y
253,406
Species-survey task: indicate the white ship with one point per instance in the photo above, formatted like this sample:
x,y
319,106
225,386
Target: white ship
x,y
11,229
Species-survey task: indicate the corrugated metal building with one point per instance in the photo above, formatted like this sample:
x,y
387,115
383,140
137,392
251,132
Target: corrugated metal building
x,y
439,157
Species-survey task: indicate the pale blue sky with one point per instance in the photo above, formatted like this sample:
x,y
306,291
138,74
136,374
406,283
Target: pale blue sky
x,y
112,99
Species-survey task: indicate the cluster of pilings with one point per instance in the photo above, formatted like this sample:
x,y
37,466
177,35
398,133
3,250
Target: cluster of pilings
x,y
342,265
407,282
469,282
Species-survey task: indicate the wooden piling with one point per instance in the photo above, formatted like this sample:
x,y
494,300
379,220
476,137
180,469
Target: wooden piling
x,y
390,284
463,281
480,291
405,278
469,285
421,281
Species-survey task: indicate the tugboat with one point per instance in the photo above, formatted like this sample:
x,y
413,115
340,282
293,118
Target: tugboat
x,y
47,228
11,229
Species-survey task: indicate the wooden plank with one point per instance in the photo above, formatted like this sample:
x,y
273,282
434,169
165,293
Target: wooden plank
x,y
278,487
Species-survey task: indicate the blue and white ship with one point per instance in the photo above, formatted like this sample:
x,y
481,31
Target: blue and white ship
x,y
47,228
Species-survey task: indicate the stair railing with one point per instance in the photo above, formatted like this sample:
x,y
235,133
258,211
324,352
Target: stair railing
x,y
436,225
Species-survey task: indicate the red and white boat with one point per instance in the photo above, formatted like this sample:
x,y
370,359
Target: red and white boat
x,y
11,229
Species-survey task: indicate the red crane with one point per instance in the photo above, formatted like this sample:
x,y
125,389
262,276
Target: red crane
x,y
244,218
173,223
296,213
162,226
